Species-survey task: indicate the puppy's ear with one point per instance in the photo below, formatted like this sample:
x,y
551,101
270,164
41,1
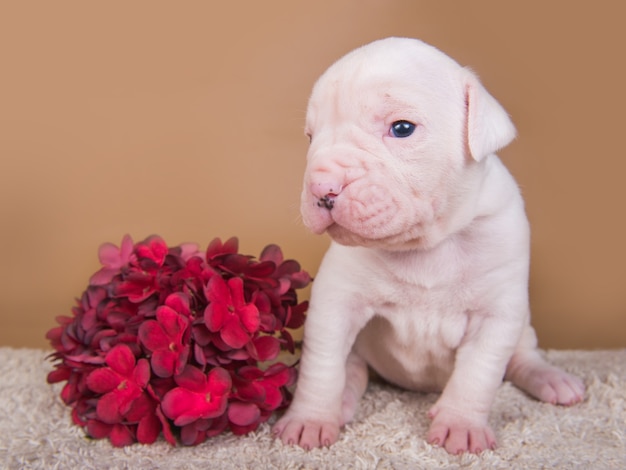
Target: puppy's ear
x,y
489,127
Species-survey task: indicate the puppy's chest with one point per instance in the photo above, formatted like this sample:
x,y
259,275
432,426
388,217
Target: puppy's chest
x,y
428,296
429,276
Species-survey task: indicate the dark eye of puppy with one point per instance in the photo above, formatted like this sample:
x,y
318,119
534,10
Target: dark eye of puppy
x,y
402,129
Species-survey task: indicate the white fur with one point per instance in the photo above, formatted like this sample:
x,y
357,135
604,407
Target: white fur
x,y
426,280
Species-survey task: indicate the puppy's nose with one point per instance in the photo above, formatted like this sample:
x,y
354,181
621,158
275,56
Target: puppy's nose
x,y
327,201
326,194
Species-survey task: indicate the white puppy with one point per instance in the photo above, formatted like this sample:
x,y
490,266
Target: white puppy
x,y
426,280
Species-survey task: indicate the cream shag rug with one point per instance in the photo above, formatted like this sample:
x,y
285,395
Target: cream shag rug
x,y
388,432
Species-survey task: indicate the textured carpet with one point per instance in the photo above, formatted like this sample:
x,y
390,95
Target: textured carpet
x,y
387,434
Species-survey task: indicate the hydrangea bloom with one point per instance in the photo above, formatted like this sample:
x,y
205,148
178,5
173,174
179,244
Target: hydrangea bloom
x,y
166,337
228,313
170,340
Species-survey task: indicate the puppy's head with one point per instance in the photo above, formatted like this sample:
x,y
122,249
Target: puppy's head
x,y
398,135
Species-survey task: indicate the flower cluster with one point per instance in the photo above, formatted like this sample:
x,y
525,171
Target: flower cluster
x,y
176,341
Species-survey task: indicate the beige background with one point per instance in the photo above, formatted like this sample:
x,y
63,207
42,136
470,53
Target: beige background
x,y
186,121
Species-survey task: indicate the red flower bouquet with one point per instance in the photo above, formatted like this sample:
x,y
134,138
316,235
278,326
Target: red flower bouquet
x,y
171,340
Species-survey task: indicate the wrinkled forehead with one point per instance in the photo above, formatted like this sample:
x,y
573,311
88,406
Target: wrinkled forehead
x,y
374,77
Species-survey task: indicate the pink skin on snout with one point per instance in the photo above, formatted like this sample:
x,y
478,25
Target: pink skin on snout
x,y
358,205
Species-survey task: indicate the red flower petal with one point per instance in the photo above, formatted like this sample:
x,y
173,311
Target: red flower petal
x,y
121,436
192,379
98,429
121,359
284,284
108,409
190,435
136,290
233,333
219,381
188,250
261,271
103,380
233,263
215,314
216,247
182,406
152,335
250,317
185,407
250,372
77,418
164,362
178,302
112,259
201,335
251,391
181,363
167,430
272,253
264,348
243,414
103,276
289,268
148,429
109,255
85,358
141,374
58,375
279,374
235,284
295,315
242,430
217,425
69,394
144,405
217,289
273,398
199,356
262,302
288,341
171,321
300,280
126,247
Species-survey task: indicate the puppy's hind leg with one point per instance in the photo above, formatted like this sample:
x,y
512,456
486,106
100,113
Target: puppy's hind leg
x,y
356,383
528,371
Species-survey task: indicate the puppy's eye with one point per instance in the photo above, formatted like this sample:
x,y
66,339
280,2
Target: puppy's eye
x,y
402,129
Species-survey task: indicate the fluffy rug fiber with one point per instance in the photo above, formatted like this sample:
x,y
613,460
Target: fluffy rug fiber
x,y
388,432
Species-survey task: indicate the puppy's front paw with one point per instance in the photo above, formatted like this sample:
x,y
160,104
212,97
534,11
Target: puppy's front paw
x,y
308,433
457,433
